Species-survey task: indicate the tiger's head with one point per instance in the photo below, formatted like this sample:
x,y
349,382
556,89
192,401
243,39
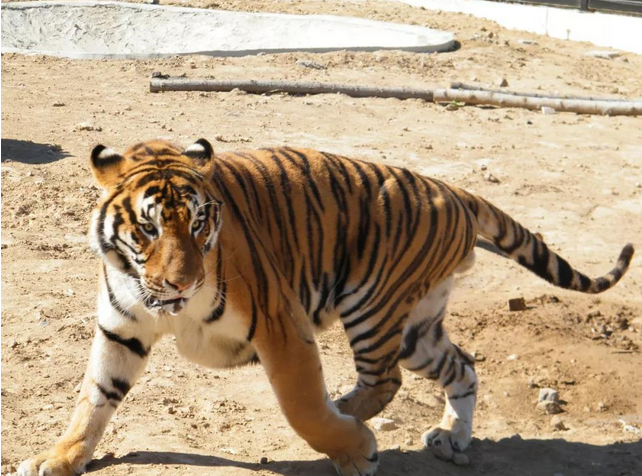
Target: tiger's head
x,y
157,219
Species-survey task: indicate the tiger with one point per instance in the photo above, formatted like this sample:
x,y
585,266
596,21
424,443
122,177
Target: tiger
x,y
241,256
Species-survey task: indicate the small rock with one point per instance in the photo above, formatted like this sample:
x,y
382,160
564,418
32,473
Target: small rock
x,y
58,104
558,424
512,357
383,424
153,2
601,407
310,64
408,442
87,126
77,388
548,395
264,460
527,42
627,428
550,408
478,357
603,54
516,304
638,185
13,344
501,82
548,110
47,407
171,410
490,178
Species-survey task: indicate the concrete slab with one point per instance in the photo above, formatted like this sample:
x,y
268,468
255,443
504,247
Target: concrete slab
x,y
95,30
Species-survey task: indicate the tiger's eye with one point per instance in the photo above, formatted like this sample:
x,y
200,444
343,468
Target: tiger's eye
x,y
149,228
197,225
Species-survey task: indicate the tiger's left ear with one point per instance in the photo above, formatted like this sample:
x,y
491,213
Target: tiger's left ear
x,y
202,154
106,165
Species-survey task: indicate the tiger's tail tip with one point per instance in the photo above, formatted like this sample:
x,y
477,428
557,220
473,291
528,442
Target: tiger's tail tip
x,y
611,279
626,255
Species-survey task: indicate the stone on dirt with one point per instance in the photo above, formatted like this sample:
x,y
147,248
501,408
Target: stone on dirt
x,y
490,178
87,126
516,304
548,395
603,54
383,424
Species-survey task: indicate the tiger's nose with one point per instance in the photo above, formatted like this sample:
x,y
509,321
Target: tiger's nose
x,y
180,286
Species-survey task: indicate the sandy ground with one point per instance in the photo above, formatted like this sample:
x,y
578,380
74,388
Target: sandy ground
x,y
575,179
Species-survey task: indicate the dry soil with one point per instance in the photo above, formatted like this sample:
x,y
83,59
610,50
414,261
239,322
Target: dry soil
x,y
575,179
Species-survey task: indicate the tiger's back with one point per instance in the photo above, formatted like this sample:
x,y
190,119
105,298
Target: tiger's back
x,y
346,234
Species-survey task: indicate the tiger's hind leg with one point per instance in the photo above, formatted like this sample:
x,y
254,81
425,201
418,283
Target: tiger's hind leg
x,y
427,351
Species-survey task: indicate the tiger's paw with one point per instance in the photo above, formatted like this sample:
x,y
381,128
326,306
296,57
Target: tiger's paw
x,y
449,445
49,463
362,459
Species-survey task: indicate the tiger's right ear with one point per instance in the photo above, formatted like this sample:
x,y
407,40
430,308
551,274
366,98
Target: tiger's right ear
x,y
106,165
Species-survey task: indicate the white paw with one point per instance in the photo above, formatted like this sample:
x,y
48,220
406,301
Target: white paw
x,y
449,445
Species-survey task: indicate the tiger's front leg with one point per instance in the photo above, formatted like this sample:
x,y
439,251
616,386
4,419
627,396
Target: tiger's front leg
x,y
289,355
117,360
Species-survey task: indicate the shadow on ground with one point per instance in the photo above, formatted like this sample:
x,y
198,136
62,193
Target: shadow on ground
x,y
28,152
510,456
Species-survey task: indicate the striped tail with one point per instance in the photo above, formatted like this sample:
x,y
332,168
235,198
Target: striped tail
x,y
529,250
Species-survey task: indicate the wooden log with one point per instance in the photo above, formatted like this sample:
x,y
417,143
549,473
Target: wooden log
x,y
159,83
471,87
581,106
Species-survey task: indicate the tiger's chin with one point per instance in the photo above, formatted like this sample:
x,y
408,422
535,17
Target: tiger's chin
x,y
170,306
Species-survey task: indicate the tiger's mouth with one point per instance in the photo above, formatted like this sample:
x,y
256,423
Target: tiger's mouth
x,y
171,306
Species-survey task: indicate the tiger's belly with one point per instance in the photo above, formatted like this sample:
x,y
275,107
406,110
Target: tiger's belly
x,y
218,344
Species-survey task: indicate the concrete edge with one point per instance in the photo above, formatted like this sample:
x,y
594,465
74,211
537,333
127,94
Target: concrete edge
x,y
444,47
601,29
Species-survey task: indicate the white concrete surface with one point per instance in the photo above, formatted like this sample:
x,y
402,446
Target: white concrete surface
x,y
601,29
125,30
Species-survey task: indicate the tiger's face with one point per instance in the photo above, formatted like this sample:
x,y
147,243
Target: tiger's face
x,y
158,218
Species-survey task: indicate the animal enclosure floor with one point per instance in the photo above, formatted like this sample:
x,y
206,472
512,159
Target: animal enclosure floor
x,y
574,179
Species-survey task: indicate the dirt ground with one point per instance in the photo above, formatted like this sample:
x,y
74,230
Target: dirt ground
x,y
575,179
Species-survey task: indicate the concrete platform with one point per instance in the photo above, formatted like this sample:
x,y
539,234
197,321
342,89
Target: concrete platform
x,y
95,30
